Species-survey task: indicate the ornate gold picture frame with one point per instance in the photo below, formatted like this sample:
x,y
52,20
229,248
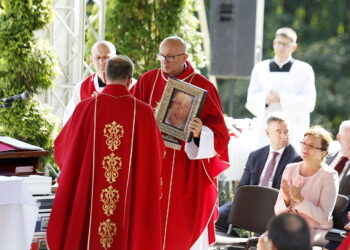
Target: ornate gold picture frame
x,y
180,102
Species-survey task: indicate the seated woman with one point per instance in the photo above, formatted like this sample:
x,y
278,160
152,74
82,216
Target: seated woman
x,y
309,188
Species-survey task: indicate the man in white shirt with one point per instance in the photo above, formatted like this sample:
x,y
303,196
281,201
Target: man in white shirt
x,y
282,84
340,160
101,51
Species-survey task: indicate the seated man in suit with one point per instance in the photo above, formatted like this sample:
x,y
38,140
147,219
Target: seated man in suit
x,y
340,160
265,166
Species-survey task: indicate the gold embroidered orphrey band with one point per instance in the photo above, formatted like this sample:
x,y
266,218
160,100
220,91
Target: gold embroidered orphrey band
x,y
112,164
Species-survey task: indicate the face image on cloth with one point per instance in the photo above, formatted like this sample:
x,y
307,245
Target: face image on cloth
x,y
179,109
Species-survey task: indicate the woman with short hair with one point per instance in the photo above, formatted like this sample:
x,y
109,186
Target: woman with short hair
x,y
309,188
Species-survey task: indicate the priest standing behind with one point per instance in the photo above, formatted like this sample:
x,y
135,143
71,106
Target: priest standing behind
x,y
110,154
282,84
189,176
101,51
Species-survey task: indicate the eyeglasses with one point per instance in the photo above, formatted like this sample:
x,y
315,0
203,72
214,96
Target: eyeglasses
x,y
284,45
168,58
312,147
103,58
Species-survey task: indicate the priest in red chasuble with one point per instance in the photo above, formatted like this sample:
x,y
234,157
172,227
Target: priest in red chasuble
x,y
189,176
110,154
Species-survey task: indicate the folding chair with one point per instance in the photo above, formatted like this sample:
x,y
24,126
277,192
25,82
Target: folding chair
x,y
337,233
338,211
252,208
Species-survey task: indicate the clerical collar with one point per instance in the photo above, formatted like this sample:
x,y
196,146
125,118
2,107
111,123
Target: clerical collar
x,y
281,67
101,84
182,76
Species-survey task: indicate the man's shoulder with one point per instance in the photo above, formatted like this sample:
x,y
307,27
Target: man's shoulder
x,y
261,67
263,63
89,78
259,151
302,64
331,157
142,106
150,73
291,153
202,82
290,148
87,101
147,78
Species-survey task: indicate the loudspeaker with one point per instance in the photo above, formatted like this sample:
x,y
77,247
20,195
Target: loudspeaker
x,y
236,36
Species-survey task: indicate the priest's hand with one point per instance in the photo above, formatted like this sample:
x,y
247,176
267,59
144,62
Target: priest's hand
x,y
195,126
272,97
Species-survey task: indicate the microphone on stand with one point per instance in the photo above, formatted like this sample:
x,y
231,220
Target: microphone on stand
x,y
21,96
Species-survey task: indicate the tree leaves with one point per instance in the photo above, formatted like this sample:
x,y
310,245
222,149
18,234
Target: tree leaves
x,y
26,65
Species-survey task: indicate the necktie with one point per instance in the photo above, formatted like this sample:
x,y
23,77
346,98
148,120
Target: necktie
x,y
269,170
341,164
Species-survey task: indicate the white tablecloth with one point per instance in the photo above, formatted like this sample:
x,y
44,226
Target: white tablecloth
x,y
241,144
18,214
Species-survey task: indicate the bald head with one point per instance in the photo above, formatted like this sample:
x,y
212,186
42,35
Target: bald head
x,y
173,55
174,41
105,45
101,51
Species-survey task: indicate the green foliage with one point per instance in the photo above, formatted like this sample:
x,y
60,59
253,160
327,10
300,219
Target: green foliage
x,y
330,61
139,26
28,65
323,42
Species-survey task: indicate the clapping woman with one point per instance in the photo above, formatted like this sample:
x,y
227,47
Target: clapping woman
x,y
310,187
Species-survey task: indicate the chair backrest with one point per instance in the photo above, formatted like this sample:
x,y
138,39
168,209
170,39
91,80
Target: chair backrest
x,y
338,211
253,207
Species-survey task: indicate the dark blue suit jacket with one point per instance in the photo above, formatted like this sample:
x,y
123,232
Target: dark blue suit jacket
x,y
344,185
345,212
257,160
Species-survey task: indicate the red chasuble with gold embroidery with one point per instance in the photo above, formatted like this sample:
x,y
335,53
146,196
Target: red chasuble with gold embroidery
x,y
189,193
110,155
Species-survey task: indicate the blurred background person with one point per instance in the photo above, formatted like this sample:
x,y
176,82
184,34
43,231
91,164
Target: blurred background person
x,y
286,232
101,51
282,84
340,159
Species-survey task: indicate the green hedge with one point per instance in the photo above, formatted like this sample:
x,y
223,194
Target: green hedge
x,y
26,64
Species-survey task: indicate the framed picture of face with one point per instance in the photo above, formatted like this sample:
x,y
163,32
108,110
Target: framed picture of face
x,y
180,102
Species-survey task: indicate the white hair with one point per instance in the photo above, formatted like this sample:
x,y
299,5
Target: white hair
x,y
344,125
288,33
108,44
